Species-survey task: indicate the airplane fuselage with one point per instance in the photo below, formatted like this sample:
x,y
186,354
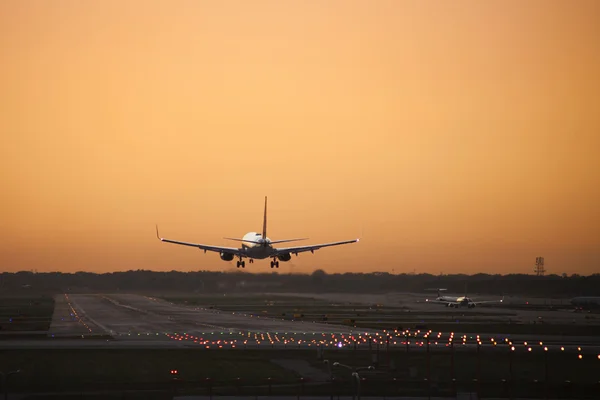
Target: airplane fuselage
x,y
256,250
461,301
586,301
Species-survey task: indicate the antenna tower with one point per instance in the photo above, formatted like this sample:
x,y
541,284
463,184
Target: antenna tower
x,y
539,266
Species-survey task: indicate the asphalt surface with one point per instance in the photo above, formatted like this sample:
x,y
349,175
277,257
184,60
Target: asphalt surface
x,y
130,315
135,321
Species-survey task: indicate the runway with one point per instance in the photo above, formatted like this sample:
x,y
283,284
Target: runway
x,y
118,315
135,321
135,317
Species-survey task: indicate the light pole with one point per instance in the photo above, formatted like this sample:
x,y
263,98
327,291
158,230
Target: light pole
x,y
355,374
357,379
326,362
4,378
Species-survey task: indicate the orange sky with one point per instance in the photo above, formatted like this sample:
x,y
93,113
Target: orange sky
x,y
460,136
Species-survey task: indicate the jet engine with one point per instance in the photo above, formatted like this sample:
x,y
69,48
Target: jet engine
x,y
226,256
284,257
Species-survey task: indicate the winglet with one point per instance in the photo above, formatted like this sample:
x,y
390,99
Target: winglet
x,y
157,235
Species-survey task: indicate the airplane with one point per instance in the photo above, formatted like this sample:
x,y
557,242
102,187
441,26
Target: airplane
x,y
462,301
586,301
257,246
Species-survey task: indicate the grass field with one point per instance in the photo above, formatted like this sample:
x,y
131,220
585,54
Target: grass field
x,y
26,313
150,369
242,301
68,369
480,321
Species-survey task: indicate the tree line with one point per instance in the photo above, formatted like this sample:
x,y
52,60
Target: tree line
x,y
144,281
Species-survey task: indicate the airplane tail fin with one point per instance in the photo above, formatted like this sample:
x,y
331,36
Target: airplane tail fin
x,y
439,291
264,233
264,229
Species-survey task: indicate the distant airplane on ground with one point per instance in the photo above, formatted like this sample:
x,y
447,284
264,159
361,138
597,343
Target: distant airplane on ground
x,y
258,246
462,301
584,301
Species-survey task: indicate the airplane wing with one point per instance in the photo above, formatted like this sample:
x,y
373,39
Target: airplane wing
x,y
488,301
441,302
311,248
218,249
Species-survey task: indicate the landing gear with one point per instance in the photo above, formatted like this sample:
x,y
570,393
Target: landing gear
x,y
242,263
251,261
274,263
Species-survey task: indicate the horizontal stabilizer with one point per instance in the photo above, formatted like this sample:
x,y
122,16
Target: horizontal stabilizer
x,y
243,240
271,242
286,240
